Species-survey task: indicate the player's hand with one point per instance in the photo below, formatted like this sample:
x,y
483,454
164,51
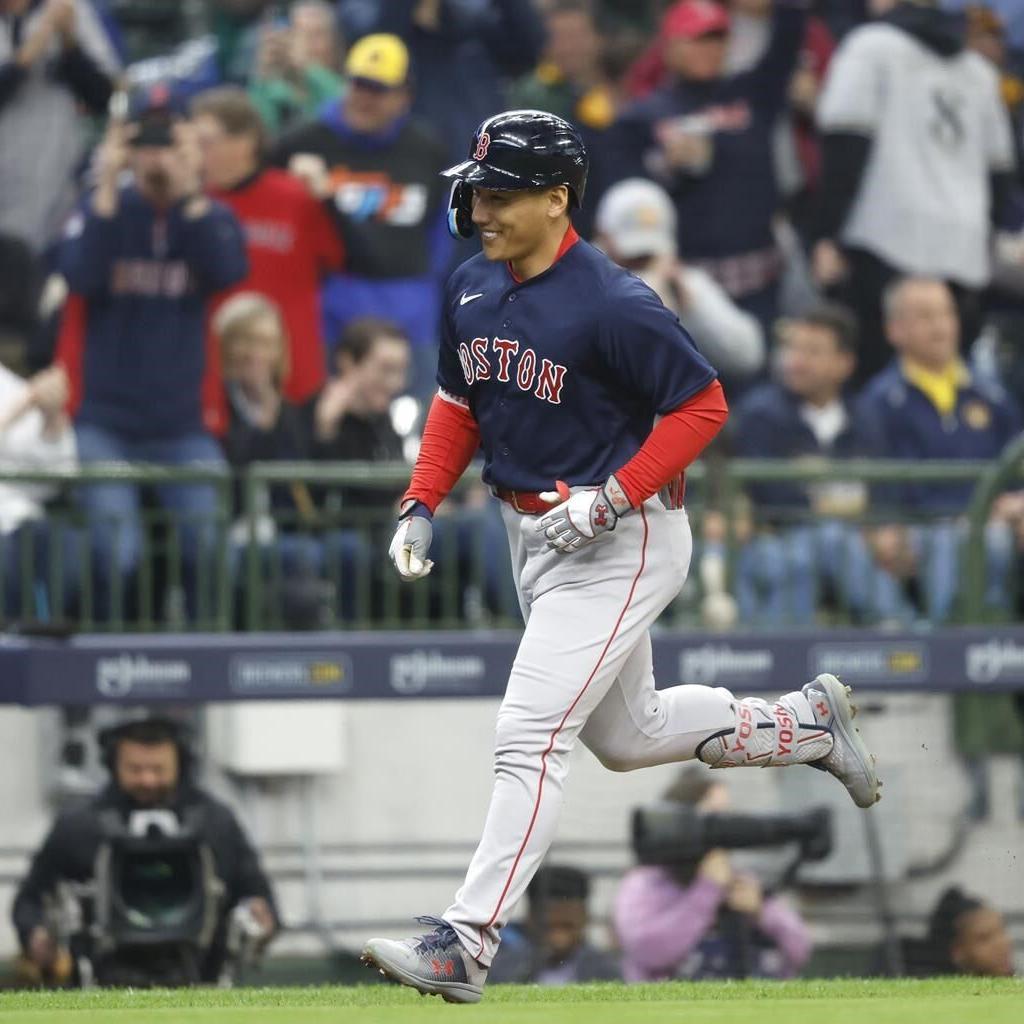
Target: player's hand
x,y
583,516
409,547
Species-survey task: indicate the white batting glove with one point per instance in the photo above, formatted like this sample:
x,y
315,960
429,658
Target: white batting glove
x,y
583,516
409,547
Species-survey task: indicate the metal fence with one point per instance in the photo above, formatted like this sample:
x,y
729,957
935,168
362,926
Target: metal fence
x,y
303,546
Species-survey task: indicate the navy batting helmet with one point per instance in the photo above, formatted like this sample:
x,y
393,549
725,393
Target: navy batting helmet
x,y
518,149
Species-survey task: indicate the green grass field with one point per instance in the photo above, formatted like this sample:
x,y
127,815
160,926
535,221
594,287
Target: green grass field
x,y
945,1001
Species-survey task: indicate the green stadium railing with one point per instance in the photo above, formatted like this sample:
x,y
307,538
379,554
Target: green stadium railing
x,y
999,476
153,599
739,476
256,573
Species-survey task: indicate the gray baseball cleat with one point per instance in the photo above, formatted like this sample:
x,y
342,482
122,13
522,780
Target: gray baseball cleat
x,y
435,964
849,760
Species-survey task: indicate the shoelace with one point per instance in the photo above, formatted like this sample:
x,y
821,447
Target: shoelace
x,y
442,935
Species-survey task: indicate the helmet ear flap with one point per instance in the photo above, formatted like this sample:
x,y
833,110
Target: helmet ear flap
x,y
460,210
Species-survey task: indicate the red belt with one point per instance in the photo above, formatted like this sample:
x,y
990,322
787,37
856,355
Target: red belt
x,y
529,503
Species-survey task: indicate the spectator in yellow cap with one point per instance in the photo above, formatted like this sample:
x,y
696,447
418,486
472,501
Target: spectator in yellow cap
x,y
377,167
377,68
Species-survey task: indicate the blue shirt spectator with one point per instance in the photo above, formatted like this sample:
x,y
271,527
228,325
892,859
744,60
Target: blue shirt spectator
x,y
926,404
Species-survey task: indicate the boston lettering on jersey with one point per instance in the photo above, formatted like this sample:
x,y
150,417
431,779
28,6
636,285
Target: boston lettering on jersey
x,y
565,372
480,354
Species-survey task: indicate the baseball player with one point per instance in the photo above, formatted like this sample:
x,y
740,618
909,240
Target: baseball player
x,y
557,363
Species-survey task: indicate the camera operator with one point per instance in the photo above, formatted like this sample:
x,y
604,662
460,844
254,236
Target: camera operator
x,y
702,919
151,774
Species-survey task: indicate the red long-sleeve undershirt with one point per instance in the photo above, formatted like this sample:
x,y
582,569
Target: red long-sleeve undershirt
x,y
679,437
451,438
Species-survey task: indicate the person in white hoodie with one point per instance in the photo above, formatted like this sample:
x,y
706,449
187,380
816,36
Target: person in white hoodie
x,y
635,225
35,433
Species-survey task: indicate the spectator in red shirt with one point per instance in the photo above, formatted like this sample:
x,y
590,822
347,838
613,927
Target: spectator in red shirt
x,y
290,239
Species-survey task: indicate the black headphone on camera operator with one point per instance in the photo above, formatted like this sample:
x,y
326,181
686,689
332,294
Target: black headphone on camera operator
x,y
148,730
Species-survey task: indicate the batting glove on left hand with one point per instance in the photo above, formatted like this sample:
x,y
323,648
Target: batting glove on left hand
x,y
582,517
409,547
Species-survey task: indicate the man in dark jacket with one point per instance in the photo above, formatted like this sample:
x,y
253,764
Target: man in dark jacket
x,y
927,404
707,137
142,261
150,767
807,534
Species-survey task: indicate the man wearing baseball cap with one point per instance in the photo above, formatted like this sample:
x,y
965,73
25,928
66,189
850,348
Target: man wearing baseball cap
x,y
377,169
152,115
380,60
707,138
142,257
692,19
636,226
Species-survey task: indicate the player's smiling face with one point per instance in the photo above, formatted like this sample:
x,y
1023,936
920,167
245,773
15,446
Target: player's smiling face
x,y
514,225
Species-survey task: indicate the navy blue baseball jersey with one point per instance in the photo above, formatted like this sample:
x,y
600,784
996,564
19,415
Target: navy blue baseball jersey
x,y
566,371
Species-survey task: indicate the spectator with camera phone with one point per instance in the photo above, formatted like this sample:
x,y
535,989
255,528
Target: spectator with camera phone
x,y
297,65
151,770
704,919
142,257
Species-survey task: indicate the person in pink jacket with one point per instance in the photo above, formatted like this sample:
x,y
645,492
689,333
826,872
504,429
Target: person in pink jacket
x,y
704,919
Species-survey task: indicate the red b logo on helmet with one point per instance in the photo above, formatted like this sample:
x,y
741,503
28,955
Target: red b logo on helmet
x,y
483,143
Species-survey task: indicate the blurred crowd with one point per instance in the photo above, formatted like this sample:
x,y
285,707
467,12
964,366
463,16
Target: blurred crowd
x,y
223,239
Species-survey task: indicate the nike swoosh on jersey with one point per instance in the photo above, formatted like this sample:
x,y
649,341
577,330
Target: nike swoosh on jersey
x,y
469,298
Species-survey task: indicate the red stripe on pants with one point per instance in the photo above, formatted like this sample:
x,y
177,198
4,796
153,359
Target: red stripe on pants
x,y
560,726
